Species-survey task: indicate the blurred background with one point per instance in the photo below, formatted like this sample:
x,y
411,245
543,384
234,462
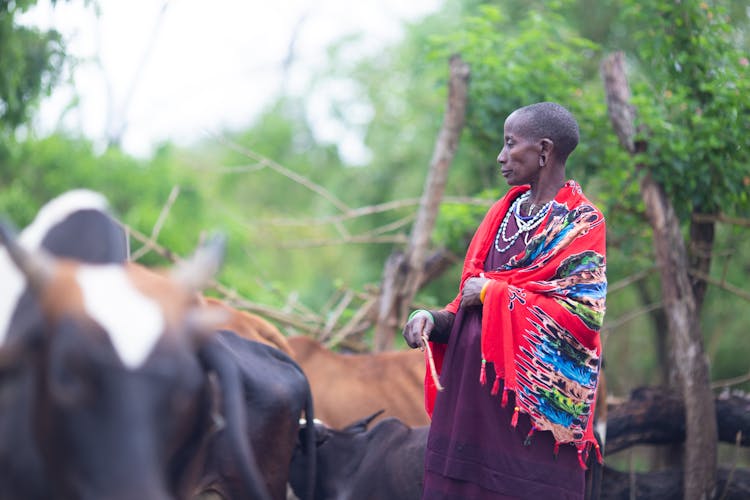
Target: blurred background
x,y
305,130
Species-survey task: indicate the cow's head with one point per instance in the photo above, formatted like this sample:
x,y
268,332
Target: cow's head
x,y
125,375
338,455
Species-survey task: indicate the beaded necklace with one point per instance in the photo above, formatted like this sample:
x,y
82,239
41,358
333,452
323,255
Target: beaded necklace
x,y
524,224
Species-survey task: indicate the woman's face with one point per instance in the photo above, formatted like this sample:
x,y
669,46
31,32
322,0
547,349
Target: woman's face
x,y
519,158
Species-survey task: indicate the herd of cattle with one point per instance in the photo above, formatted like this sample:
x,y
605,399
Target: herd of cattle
x,y
119,382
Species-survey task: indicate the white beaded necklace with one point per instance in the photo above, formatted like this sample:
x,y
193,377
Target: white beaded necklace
x,y
524,226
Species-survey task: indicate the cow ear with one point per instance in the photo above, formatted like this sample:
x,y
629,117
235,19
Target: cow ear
x,y
37,266
361,425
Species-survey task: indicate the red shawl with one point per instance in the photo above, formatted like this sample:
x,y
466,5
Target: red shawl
x,y
541,316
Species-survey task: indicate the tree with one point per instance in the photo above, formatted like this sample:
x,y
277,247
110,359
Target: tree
x,y
31,61
685,127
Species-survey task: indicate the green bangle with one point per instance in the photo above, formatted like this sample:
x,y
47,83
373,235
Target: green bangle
x,y
414,313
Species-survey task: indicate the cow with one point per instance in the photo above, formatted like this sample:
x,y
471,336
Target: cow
x,y
346,387
276,395
275,391
251,326
385,462
111,384
243,323
76,224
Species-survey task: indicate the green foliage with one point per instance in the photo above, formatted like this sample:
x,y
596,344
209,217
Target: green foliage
x,y
524,52
518,62
456,222
693,100
31,61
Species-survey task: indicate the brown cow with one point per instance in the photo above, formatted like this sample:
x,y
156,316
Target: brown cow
x,y
251,326
347,387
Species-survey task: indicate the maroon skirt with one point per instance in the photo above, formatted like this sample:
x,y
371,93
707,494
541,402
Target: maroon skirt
x,y
473,452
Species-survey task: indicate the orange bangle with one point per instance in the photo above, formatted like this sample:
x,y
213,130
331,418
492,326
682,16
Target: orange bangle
x,y
483,292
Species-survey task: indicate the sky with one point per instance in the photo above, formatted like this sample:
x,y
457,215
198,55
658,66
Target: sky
x,y
182,71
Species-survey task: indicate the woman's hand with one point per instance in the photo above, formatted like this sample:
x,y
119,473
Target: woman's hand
x,y
421,322
471,291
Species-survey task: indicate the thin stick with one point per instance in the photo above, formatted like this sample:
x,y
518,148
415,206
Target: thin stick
x,y
159,223
433,370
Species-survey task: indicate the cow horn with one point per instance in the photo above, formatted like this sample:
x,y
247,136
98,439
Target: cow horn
x,y
361,424
36,266
197,272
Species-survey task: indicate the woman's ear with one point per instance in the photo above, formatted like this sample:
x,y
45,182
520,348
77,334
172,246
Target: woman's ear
x,y
545,149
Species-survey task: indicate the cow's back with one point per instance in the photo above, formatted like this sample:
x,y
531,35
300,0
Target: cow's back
x,y
276,396
393,467
250,326
347,387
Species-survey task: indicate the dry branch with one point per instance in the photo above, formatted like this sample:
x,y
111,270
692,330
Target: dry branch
x,y
371,210
667,484
736,221
656,415
299,179
159,223
402,274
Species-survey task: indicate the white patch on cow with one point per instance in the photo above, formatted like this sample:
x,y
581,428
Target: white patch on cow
x,y
13,284
132,320
57,210
52,213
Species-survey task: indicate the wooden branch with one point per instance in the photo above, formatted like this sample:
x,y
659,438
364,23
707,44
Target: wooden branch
x,y
721,284
392,239
621,112
159,223
370,210
357,324
299,179
614,324
733,483
736,221
436,264
723,384
402,274
152,245
267,312
392,226
334,315
629,280
656,415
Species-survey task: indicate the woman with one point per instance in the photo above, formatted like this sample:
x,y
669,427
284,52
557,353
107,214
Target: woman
x,y
518,349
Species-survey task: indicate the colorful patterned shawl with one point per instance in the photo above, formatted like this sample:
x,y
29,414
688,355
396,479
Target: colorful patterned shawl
x,y
541,316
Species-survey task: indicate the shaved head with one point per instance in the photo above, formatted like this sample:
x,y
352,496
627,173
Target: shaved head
x,y
551,121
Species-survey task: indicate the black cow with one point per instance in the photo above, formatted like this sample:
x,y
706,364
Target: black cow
x,y
111,380
76,225
276,395
383,463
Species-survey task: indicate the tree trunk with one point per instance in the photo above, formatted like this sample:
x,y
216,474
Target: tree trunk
x,y
403,270
677,297
702,234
